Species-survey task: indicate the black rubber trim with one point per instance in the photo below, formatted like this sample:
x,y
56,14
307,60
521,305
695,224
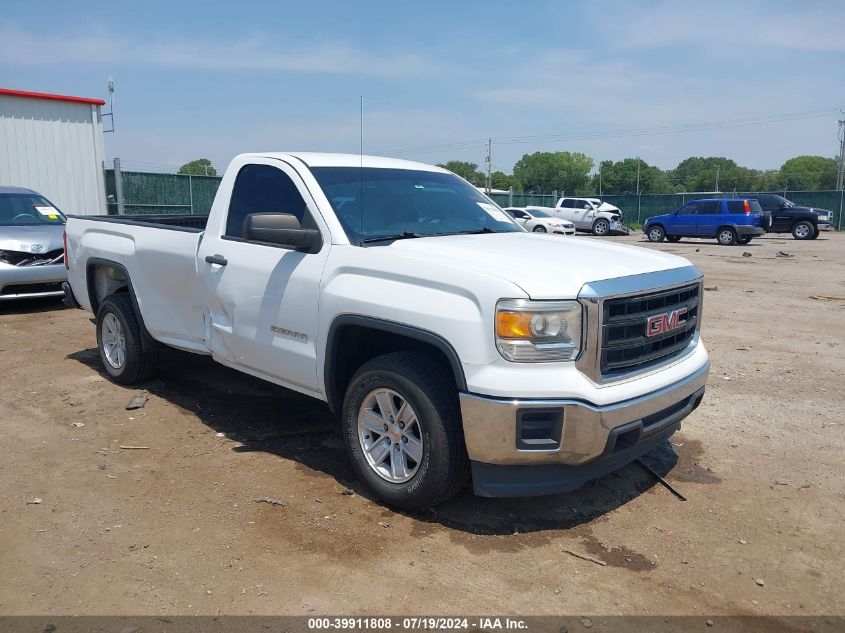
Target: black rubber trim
x,y
495,480
69,299
753,231
148,343
138,220
333,397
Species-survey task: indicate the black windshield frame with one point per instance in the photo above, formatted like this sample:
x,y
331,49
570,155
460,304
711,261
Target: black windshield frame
x,y
404,203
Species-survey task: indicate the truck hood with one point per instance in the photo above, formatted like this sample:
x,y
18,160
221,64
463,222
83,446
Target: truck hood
x,y
31,238
545,267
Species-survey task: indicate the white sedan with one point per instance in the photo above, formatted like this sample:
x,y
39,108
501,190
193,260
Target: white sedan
x,y
540,221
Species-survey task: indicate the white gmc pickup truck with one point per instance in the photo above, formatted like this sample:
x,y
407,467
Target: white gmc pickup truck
x,y
449,340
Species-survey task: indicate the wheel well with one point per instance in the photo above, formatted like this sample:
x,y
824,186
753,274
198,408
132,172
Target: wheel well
x,y
808,221
105,279
354,341
657,224
725,226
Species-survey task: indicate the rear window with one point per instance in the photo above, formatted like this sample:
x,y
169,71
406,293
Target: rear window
x,y
738,206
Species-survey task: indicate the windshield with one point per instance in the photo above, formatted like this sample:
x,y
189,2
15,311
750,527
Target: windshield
x,y
783,200
27,208
407,203
540,214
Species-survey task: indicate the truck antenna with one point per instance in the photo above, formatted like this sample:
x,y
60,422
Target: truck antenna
x,y
361,174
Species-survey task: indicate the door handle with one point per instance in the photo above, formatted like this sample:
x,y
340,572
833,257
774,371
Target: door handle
x,y
216,259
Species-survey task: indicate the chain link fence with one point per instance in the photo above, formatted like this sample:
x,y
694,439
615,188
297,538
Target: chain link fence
x,y
638,208
146,193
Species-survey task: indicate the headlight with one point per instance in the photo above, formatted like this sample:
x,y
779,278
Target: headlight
x,y
538,331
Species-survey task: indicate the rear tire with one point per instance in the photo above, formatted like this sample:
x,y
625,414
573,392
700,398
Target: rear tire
x,y
743,240
803,230
119,342
656,234
601,227
540,229
425,387
726,236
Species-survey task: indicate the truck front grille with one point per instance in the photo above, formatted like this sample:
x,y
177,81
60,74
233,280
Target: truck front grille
x,y
625,345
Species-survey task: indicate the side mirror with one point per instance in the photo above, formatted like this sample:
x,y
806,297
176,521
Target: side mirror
x,y
282,229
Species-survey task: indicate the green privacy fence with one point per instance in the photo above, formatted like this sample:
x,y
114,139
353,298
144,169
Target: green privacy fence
x,y
639,208
147,193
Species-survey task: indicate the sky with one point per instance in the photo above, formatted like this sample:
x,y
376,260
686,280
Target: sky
x,y
440,78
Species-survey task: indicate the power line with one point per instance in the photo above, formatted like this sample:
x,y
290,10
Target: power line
x,y
619,133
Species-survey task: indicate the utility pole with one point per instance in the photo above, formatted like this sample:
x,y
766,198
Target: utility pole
x,y
489,184
717,178
599,180
639,199
840,175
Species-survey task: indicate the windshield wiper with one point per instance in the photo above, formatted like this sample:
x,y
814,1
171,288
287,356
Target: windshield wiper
x,y
486,229
404,235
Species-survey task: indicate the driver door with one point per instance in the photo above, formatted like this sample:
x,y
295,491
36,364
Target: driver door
x,y
684,221
262,298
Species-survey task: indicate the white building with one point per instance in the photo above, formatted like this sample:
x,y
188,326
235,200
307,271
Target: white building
x,y
53,144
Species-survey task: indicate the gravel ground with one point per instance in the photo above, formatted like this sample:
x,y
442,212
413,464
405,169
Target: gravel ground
x,y
88,527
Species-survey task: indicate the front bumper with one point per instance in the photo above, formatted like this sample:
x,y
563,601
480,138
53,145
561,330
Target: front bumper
x,y
824,226
532,447
17,282
750,231
561,230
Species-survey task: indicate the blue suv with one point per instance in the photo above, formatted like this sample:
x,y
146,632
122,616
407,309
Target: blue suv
x,y
730,220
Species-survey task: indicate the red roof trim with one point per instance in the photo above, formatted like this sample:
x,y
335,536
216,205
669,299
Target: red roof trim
x,y
51,97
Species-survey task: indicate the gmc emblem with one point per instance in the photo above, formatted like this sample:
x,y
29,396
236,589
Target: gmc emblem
x,y
666,322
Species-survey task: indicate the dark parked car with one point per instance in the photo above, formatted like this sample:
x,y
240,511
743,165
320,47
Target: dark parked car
x,y
729,220
784,216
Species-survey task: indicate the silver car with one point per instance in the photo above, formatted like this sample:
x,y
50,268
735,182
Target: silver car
x,y
31,245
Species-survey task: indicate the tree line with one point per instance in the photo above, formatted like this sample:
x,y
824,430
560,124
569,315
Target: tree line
x,y
577,174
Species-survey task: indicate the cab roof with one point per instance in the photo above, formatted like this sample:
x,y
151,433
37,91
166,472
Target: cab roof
x,y
320,159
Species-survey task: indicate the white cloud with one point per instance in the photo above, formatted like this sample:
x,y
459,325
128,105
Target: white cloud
x,y
19,47
729,27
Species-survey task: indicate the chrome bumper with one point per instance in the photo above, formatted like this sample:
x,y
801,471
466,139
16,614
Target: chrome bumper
x,y
824,226
490,424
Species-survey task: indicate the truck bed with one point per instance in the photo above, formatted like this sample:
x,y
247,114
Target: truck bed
x,y
173,222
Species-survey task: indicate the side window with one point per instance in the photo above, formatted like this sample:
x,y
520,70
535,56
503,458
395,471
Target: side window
x,y
736,206
567,204
709,207
263,189
769,203
688,209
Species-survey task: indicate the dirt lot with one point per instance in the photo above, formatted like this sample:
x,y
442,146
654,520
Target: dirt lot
x,y
175,528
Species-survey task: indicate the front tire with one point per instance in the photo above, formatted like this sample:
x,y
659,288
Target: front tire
x,y
803,230
743,240
540,229
656,234
403,432
726,236
673,238
601,227
119,342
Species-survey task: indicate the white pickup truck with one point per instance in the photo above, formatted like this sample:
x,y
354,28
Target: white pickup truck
x,y
591,214
449,340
